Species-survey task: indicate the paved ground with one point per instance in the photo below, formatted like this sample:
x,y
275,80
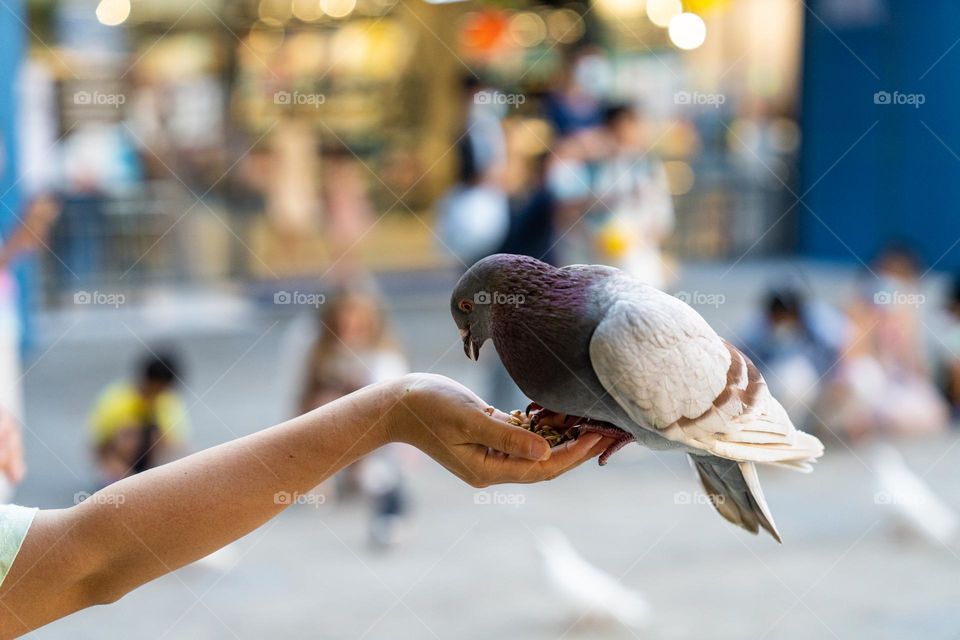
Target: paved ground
x,y
470,570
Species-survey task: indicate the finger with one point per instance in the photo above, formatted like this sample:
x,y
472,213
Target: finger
x,y
563,458
514,441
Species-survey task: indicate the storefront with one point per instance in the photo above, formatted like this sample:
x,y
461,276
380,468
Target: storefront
x,y
288,138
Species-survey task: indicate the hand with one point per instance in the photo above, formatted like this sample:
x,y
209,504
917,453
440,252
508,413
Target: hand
x,y
11,448
451,424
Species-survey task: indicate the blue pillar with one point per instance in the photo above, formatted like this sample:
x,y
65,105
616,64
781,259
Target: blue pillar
x,y
883,70
13,39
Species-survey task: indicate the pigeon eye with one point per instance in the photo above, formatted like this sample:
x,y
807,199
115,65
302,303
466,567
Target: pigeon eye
x,y
466,306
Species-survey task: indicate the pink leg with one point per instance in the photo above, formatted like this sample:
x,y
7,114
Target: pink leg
x,y
621,437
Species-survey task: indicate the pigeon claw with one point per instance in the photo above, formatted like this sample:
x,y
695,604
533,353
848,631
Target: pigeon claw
x,y
620,437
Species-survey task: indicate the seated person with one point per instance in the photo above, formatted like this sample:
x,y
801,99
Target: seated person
x,y
136,426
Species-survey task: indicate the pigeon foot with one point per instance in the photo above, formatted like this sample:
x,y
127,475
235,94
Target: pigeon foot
x,y
621,438
540,418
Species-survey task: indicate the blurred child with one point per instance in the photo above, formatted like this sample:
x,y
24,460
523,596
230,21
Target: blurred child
x,y
354,348
139,425
883,384
794,344
949,349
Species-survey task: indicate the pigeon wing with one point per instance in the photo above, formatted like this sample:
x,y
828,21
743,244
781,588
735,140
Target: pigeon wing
x,y
671,372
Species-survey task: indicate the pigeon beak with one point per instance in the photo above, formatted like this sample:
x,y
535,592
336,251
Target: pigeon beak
x,y
470,348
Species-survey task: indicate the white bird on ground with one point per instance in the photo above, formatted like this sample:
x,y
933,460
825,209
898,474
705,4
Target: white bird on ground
x,y
910,499
589,592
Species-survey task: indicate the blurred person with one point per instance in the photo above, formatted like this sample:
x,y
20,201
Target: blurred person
x,y
100,162
794,344
30,228
56,562
28,234
883,384
635,212
948,353
292,193
138,425
574,106
348,211
532,227
474,214
352,349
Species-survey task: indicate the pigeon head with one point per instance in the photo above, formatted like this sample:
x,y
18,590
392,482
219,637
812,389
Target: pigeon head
x,y
496,280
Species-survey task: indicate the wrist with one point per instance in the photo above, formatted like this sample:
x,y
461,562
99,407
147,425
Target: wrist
x,y
397,408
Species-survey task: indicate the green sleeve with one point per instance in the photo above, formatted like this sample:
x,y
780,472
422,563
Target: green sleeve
x,y
14,523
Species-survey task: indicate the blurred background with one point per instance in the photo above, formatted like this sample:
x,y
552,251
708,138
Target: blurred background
x,y
216,215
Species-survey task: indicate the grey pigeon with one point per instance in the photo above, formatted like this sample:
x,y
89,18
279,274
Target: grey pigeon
x,y
609,354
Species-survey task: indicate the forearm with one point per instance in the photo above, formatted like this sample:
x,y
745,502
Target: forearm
x,y
149,524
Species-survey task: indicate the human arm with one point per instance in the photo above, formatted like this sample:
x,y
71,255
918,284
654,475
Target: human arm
x,y
32,231
150,524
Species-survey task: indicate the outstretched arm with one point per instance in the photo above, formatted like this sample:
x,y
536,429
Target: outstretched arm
x,y
150,524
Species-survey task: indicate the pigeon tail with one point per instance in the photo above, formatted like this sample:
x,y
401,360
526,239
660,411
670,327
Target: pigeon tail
x,y
734,491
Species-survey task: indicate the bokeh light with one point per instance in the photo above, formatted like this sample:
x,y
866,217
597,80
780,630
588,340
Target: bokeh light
x,y
687,31
661,12
113,12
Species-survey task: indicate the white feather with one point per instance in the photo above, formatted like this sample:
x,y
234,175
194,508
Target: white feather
x,y
671,372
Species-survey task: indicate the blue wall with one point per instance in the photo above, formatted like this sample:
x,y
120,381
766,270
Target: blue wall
x,y
900,182
12,49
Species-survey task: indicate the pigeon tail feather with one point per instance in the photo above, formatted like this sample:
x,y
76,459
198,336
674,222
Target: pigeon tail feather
x,y
734,491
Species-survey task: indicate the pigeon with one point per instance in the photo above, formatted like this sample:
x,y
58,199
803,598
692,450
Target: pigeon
x,y
911,500
588,591
597,350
